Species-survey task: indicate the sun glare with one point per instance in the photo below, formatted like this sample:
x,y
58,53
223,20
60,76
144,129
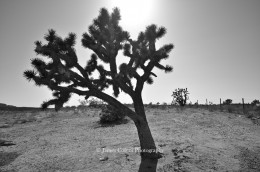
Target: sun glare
x,y
134,13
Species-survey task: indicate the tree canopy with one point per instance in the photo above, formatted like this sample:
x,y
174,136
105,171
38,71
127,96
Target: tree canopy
x,y
64,75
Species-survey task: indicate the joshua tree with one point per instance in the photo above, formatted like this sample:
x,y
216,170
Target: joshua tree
x,y
63,75
180,96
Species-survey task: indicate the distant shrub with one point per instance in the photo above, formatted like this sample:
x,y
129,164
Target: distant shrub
x,y
163,106
82,102
153,106
110,114
150,105
95,103
227,102
255,102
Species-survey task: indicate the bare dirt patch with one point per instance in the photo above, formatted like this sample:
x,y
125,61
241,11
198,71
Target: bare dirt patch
x,y
190,139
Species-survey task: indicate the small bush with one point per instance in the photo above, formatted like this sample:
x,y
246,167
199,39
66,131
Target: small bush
x,y
110,114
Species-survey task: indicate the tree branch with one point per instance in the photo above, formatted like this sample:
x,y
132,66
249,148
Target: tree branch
x,y
122,108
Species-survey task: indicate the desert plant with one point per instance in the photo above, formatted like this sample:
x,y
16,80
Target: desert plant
x,y
227,102
255,102
82,106
95,103
82,102
180,96
110,114
105,39
164,103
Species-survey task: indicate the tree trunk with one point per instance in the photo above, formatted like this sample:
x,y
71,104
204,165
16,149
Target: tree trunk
x,y
149,154
145,137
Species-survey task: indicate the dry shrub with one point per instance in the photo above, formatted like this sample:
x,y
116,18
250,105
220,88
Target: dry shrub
x,y
110,114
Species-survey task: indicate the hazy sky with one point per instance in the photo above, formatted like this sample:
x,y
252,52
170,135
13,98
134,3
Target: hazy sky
x,y
216,54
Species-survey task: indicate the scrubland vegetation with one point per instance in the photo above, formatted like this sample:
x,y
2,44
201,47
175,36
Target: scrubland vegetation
x,y
190,138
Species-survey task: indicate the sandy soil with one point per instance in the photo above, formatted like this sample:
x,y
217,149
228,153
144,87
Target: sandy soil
x,y
191,140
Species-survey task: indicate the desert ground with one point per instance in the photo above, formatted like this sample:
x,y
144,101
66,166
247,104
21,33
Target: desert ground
x,y
191,140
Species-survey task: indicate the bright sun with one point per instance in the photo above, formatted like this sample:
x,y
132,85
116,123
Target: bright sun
x,y
134,13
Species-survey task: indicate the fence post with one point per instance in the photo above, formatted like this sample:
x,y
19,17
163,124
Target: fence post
x,y
220,104
243,105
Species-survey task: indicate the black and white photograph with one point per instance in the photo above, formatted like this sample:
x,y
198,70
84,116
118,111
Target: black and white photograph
x,y
129,86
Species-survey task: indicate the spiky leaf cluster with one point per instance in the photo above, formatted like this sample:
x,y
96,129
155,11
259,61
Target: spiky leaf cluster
x,y
105,39
180,96
144,50
62,58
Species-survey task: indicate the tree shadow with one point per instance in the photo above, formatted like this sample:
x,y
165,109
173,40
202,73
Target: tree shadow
x,y
148,165
7,157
